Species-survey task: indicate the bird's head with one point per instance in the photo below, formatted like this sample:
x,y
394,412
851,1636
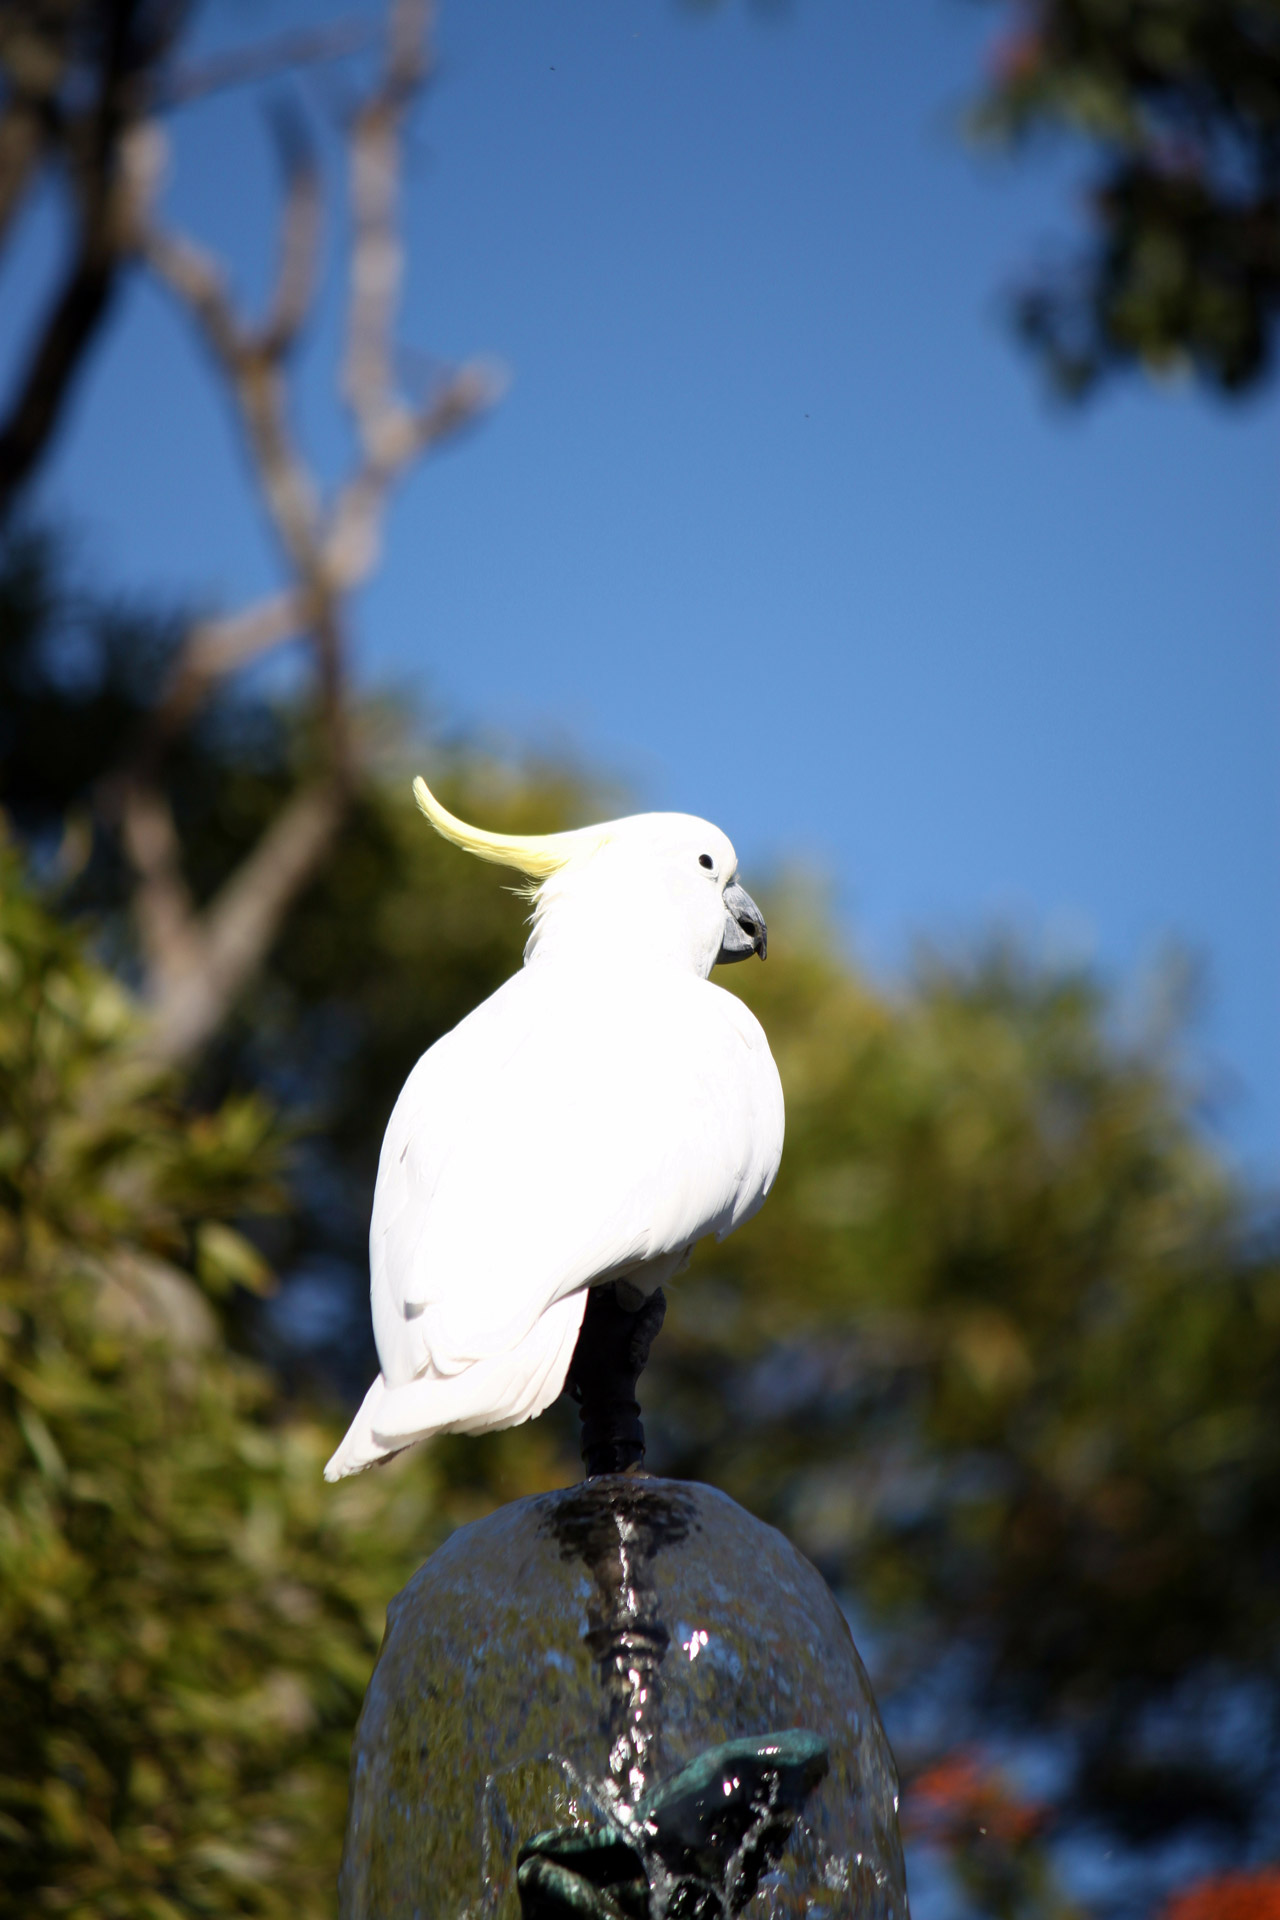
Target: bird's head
x,y
659,887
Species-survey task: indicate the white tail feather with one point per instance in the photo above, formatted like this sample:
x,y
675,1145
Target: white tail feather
x,y
499,1392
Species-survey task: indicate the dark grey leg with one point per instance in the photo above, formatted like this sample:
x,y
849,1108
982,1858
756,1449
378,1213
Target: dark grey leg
x,y
608,1360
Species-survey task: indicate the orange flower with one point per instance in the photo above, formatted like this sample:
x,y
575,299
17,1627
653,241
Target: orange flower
x,y
1229,1896
959,1797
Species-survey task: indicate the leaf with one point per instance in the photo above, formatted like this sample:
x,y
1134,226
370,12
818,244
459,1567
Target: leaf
x,y
225,1259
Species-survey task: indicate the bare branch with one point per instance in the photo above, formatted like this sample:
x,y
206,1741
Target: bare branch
x,y
21,139
355,525
197,280
289,52
410,28
242,922
253,369
377,263
200,962
71,323
162,902
299,248
91,142
216,648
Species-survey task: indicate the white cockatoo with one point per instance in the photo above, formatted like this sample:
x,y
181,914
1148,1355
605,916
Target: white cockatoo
x,y
588,1123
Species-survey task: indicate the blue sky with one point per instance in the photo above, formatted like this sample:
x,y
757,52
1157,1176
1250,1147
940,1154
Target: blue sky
x,y
775,524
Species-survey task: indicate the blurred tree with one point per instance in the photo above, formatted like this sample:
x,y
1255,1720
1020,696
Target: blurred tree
x,y
187,1617
1000,1351
115,55
1179,103
1000,1354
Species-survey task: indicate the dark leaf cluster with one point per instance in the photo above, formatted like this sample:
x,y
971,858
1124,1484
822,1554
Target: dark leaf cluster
x,y
1179,104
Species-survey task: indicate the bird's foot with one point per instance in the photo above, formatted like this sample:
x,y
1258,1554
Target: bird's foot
x,y
608,1360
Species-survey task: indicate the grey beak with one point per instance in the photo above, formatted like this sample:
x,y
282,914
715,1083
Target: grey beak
x,y
744,930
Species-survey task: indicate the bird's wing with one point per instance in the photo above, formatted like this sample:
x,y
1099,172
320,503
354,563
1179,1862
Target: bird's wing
x,y
570,1129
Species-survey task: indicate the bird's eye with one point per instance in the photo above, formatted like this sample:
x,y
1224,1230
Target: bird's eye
x,y
705,860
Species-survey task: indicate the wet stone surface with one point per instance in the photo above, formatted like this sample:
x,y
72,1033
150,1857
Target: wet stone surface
x,y
626,1701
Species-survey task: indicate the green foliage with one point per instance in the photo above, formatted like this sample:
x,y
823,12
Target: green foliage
x,y
1001,1353
1179,102
188,1615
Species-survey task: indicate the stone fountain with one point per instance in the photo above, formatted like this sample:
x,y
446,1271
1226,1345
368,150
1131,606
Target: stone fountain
x,y
628,1700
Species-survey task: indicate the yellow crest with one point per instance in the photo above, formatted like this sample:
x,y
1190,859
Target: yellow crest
x,y
538,855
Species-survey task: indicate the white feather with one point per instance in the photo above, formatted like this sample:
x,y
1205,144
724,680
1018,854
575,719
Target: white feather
x,y
584,1123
